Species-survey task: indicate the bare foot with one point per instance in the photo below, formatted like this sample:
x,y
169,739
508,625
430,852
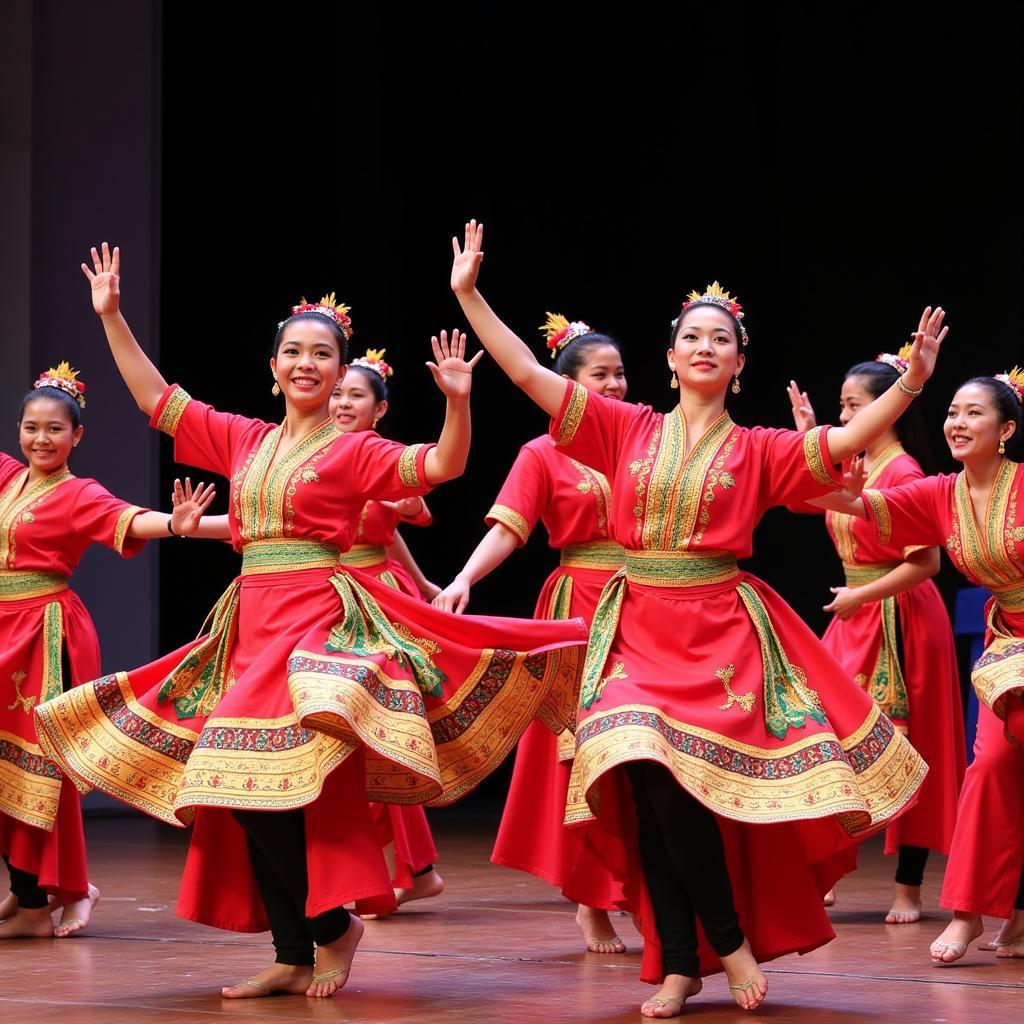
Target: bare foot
x,y
747,984
598,933
28,924
671,997
8,905
951,945
1011,933
423,887
829,898
906,905
75,916
334,960
284,978
1011,950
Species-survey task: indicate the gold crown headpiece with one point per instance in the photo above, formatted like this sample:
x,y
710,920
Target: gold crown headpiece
x,y
328,306
1014,380
374,361
716,295
64,379
559,332
900,362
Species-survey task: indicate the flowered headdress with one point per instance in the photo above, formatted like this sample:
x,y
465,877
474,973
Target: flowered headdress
x,y
328,306
716,295
374,360
899,362
64,379
1014,380
559,332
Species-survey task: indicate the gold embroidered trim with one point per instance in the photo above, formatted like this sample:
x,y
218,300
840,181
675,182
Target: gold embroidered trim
x,y
597,554
564,430
680,568
18,584
815,458
745,700
281,555
511,518
875,500
364,556
173,410
595,483
860,573
408,472
641,468
124,520
560,601
16,506
25,794
842,525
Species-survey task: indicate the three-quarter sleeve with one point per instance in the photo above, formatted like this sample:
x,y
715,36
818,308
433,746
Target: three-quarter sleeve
x,y
911,515
99,516
523,496
592,428
795,466
203,436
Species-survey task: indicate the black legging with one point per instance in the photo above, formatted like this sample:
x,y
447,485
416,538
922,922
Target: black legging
x,y
25,887
683,859
277,852
1018,903
910,865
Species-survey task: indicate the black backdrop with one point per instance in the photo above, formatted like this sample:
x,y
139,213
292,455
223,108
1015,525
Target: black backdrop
x,y
836,166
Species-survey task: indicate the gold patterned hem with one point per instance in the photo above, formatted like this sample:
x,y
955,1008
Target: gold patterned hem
x,y
607,555
864,780
879,511
172,411
124,521
816,457
24,584
29,782
563,429
511,519
364,556
408,467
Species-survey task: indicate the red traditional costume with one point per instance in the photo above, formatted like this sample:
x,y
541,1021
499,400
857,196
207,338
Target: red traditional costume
x,y
987,853
405,825
703,669
317,686
45,632
918,691
574,503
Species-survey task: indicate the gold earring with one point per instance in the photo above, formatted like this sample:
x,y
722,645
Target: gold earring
x,y
1002,447
674,383
276,389
736,384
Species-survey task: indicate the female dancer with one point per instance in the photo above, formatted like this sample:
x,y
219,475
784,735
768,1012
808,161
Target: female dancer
x,y
891,632
721,706
312,690
573,501
358,402
48,518
976,514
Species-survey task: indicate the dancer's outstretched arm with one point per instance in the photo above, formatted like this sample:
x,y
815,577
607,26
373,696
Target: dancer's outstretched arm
x,y
510,352
875,419
498,543
144,380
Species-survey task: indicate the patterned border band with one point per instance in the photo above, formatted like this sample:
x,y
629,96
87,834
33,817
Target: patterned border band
x,y
173,410
599,554
408,469
680,568
275,555
511,518
874,502
569,419
18,585
857,573
363,556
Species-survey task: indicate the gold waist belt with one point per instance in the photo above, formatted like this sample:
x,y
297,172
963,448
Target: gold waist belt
x,y
281,555
680,568
18,584
1009,597
857,575
364,556
598,554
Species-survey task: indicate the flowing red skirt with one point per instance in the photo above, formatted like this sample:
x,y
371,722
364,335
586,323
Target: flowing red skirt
x,y
532,836
936,724
315,708
40,811
680,670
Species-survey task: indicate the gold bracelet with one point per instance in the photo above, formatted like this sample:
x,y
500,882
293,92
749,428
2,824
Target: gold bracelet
x,y
913,392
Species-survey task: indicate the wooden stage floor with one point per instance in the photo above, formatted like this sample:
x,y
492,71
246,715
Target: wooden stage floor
x,y
497,946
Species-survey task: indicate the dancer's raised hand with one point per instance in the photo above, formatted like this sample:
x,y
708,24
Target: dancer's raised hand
x,y
803,411
189,505
927,341
105,278
466,260
452,373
